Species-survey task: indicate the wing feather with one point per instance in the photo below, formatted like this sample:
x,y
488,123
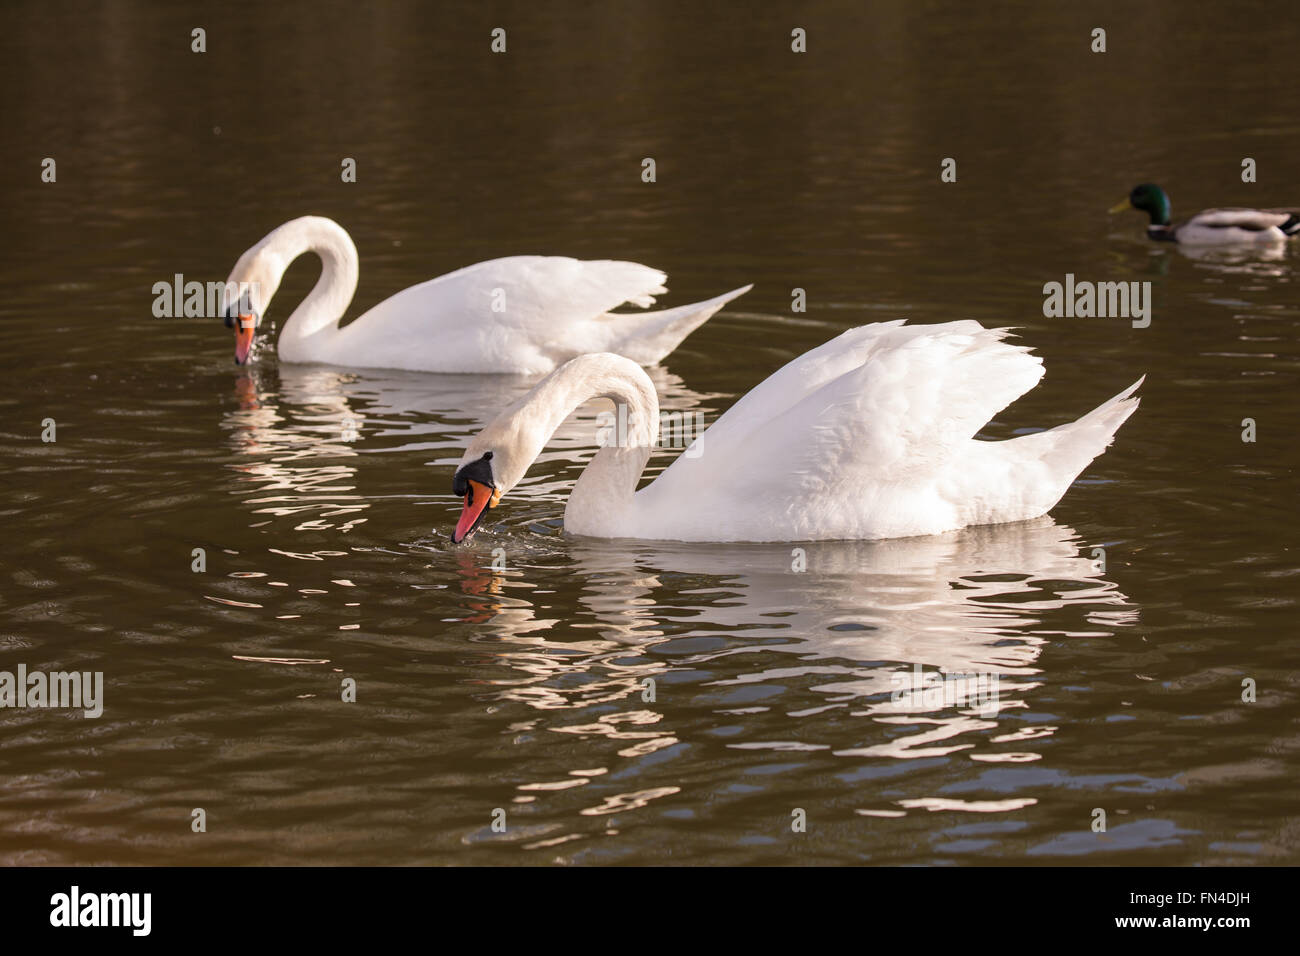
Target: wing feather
x,y
899,396
534,292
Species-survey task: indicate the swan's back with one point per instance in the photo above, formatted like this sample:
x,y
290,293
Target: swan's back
x,y
523,313
899,388
872,435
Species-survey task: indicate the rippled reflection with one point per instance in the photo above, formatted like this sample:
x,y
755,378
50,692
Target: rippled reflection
x,y
299,430
1265,261
931,640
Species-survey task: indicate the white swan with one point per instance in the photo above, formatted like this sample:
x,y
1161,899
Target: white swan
x,y
522,314
871,435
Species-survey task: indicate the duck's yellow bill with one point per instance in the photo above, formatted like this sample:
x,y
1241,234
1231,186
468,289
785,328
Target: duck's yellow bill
x,y
1121,206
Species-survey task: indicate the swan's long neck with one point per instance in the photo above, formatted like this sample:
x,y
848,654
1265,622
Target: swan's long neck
x,y
601,501
305,334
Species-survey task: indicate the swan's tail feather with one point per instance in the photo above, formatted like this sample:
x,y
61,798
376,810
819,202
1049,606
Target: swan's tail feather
x,y
646,339
1068,449
1025,477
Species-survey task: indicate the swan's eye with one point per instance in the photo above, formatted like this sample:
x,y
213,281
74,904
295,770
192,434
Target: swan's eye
x,y
479,470
244,306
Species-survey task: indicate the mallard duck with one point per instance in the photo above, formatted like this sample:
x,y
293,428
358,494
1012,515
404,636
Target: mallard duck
x,y
1211,226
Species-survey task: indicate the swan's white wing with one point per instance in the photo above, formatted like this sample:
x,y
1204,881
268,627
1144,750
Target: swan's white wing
x,y
903,411
529,293
540,292
521,313
887,389
797,379
861,426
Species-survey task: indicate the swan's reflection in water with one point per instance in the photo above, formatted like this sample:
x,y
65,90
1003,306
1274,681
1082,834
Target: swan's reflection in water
x,y
282,425
300,430
934,642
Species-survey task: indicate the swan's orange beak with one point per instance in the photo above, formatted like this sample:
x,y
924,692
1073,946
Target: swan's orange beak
x,y
245,327
477,502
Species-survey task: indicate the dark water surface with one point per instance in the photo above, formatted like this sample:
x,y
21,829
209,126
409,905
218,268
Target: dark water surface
x,y
1120,671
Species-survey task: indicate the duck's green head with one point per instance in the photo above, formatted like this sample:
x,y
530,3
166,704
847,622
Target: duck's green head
x,y
1149,198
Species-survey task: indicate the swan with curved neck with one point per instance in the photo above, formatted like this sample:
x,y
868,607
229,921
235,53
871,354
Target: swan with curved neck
x,y
871,435
604,493
521,314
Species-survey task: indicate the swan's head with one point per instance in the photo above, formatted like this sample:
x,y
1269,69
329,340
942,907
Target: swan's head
x,y
476,483
248,291
493,464
500,454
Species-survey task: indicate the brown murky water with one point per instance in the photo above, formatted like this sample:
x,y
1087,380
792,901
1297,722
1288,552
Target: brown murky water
x,y
1120,671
